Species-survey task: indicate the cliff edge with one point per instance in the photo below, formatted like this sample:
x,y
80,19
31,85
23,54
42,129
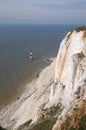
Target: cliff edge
x,y
56,100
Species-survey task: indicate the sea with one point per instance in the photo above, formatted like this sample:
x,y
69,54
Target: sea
x,y
16,41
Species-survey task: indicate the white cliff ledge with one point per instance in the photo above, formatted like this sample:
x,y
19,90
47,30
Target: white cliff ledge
x,y
57,99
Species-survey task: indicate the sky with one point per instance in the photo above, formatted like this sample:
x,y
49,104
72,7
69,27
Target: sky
x,y
43,11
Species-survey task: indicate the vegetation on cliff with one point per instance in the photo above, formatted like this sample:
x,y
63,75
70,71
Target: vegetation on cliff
x,y
83,28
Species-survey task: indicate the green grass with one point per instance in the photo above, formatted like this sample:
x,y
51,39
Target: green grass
x,y
82,123
80,29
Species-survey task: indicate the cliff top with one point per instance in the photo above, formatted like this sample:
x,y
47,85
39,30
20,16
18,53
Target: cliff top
x,y
83,28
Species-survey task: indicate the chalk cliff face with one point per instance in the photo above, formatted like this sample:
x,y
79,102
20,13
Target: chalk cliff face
x,y
70,73
56,100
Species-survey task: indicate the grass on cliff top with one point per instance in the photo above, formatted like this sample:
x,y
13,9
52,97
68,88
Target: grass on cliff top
x,y
83,28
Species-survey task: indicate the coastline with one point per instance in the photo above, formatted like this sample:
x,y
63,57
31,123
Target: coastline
x,y
30,89
23,86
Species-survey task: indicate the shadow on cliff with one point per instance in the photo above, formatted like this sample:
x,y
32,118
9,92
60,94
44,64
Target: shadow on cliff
x,y
2,128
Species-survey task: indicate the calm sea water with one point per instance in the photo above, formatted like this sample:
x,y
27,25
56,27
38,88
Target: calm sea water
x,y
15,43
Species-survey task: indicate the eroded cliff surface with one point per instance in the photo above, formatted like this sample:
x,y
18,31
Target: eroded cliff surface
x,y
71,74
56,100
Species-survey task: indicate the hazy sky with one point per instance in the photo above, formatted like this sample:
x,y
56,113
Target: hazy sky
x,y
43,11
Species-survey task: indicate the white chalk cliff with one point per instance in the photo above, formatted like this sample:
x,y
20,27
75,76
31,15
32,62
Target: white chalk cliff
x,y
56,100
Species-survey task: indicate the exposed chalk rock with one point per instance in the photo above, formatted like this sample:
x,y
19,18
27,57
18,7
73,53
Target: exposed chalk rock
x,y
56,100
